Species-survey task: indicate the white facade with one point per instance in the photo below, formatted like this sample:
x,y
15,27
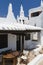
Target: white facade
x,y
37,20
33,20
21,24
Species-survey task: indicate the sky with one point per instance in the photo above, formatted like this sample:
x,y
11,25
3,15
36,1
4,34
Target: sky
x,y
27,4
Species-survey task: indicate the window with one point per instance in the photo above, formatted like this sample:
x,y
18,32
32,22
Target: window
x,y
35,14
23,21
27,37
3,41
35,36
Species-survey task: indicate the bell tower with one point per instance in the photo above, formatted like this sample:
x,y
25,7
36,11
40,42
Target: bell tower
x,y
21,11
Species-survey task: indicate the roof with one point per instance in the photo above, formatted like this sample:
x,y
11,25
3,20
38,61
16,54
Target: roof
x,y
17,26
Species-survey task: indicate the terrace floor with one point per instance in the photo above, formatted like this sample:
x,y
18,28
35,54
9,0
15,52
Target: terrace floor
x,y
30,55
40,63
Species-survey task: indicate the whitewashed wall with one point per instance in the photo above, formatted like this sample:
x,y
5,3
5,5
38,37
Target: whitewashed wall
x,y
41,37
12,41
35,20
29,44
42,19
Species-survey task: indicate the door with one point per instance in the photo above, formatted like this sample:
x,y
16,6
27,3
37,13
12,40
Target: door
x,y
18,46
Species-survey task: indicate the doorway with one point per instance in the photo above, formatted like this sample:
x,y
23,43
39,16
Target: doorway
x,y
18,43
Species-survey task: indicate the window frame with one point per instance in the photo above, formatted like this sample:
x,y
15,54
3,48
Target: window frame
x,y
34,38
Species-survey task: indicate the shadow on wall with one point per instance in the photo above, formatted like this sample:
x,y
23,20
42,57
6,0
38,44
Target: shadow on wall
x,y
31,46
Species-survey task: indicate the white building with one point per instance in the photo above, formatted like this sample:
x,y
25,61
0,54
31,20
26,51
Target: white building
x,y
16,34
22,19
36,18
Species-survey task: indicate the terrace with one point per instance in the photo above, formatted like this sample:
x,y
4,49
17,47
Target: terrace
x,y
20,58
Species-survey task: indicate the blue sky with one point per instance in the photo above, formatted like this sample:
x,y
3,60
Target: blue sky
x,y
27,4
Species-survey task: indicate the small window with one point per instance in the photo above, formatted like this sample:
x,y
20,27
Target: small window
x,y
35,14
27,37
23,21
